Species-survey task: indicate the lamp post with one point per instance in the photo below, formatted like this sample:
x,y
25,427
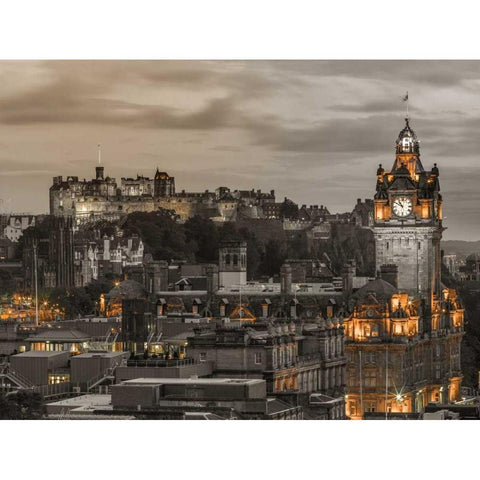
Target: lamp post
x,y
36,280
295,301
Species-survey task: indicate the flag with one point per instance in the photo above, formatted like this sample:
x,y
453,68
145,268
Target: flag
x,y
405,98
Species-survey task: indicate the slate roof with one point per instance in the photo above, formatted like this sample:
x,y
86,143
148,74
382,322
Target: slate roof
x,y
381,289
128,289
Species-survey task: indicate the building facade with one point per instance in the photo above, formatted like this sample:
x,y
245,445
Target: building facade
x,y
408,219
404,329
104,197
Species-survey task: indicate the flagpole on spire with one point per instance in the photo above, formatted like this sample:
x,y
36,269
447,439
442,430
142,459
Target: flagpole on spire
x,y
99,154
405,99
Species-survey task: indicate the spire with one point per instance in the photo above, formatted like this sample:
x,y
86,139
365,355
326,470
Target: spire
x,y
99,154
407,141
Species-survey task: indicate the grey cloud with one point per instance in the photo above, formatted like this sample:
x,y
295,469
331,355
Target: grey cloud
x,y
317,129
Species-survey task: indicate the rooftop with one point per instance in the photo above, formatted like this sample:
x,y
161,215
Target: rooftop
x,y
101,354
83,403
35,354
193,381
60,335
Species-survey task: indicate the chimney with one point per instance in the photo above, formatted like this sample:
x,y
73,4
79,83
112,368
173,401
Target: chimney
x,y
212,279
286,279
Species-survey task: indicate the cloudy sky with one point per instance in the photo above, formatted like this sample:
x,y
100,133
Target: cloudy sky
x,y
314,131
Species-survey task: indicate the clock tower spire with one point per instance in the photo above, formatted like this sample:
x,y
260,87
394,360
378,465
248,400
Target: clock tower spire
x,y
408,219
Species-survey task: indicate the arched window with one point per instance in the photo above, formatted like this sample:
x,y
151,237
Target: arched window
x,y
235,260
227,259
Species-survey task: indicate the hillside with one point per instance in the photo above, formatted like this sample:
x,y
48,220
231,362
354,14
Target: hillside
x,y
460,247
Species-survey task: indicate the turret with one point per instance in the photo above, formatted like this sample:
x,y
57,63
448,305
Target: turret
x,y
99,173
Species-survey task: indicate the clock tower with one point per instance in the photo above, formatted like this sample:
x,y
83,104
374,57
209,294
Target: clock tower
x,y
408,219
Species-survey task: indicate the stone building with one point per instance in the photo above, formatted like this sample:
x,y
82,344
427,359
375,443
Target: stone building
x,y
290,357
232,261
408,218
107,256
103,197
13,226
404,329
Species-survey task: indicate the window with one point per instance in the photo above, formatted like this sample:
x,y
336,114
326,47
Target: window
x,y
370,357
352,407
258,358
203,356
371,406
371,379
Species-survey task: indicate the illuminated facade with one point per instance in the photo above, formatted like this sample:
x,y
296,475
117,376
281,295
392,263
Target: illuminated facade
x,y
404,331
408,219
104,197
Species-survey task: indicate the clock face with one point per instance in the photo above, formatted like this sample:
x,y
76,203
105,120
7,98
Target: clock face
x,y
402,206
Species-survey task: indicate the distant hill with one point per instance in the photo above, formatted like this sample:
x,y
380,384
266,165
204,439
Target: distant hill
x,y
460,247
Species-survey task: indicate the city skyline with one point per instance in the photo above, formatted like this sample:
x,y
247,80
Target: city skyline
x,y
243,124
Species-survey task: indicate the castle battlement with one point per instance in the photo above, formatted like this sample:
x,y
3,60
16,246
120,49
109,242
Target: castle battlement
x,y
102,197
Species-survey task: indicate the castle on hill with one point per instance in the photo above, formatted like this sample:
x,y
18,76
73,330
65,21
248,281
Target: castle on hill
x,y
103,197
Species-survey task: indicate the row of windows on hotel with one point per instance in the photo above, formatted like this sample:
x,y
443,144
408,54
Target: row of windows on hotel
x,y
370,376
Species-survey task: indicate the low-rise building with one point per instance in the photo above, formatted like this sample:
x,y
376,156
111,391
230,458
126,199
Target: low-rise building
x,y
175,398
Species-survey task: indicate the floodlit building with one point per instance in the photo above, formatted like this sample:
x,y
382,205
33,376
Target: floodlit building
x,y
404,329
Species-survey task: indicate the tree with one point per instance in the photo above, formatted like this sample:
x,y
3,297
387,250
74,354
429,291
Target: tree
x,y
72,302
203,236
162,236
273,257
7,283
288,209
21,405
